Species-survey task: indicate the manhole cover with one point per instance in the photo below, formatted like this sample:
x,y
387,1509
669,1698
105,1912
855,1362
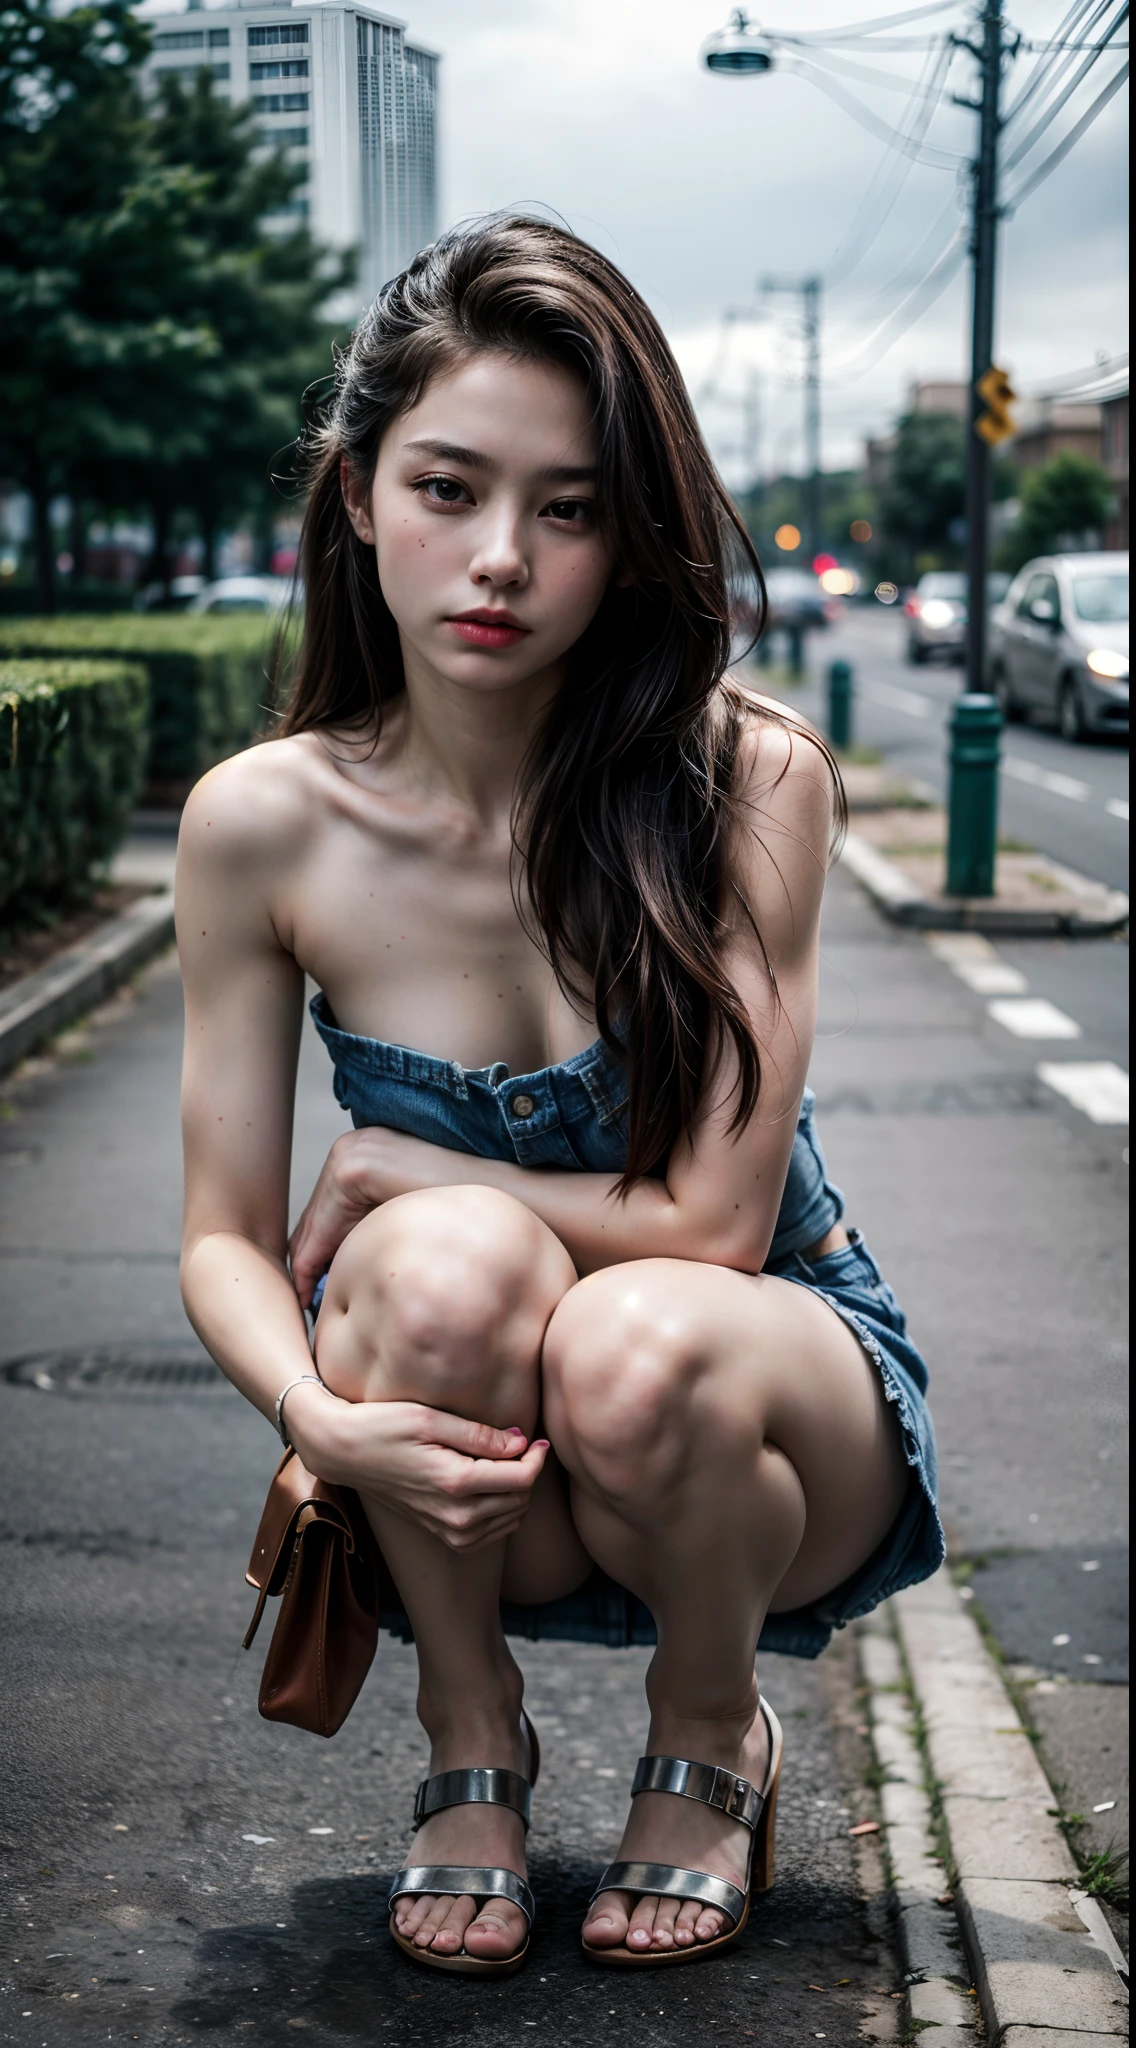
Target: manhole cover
x,y
117,1369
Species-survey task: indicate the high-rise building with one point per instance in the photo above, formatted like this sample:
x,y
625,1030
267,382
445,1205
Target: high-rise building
x,y
339,87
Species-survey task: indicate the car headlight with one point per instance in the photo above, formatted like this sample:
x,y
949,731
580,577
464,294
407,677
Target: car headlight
x,y
1104,662
937,613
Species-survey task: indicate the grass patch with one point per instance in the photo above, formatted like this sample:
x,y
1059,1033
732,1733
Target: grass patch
x,y
1105,1876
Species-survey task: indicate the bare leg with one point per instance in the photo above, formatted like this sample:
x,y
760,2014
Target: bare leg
x,y
730,1450
444,1297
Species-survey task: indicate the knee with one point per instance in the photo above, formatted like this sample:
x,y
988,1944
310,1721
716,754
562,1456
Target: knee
x,y
623,1363
446,1293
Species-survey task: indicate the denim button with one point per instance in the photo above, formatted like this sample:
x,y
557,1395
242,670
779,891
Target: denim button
x,y
523,1105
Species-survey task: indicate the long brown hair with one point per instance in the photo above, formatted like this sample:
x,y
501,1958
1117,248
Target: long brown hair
x,y
623,805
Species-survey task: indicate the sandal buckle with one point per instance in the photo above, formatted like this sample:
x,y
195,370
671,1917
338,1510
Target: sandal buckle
x,y
736,1798
420,1803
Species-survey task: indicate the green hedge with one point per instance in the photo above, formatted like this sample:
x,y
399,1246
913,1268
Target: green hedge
x,y
209,677
73,737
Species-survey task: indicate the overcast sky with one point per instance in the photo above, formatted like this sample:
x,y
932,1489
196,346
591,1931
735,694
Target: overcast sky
x,y
697,185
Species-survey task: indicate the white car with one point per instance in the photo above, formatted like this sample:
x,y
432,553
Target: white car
x,y
245,594
1059,644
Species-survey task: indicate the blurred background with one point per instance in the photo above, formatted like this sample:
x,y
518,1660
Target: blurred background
x,y
196,208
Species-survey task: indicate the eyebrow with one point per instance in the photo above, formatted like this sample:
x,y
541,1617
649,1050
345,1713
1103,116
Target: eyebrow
x,y
472,458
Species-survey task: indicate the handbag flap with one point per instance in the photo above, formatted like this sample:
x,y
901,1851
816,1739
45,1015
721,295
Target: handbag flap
x,y
293,1490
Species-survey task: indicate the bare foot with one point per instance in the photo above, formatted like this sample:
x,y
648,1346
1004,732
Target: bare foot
x,y
483,1834
663,1828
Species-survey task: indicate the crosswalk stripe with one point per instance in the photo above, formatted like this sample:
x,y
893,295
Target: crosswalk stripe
x,y
1032,1017
1099,1088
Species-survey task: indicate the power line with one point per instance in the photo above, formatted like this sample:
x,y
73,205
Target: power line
x,y
894,169
1057,155
901,279
853,30
1082,17
922,296
1053,108
940,159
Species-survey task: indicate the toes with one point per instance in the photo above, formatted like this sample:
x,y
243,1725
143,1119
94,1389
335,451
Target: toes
x,y
432,1922
410,1911
640,1933
499,1930
606,1924
666,1913
709,1923
685,1923
450,1935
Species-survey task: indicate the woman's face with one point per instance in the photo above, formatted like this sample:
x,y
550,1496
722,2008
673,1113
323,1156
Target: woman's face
x,y
483,519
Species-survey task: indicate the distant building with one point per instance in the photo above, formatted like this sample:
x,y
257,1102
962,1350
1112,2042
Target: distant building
x,y
946,397
1049,426
941,397
345,93
1086,413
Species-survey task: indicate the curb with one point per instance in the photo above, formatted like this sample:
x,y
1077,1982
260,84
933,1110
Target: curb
x,y
43,1003
904,902
1046,1969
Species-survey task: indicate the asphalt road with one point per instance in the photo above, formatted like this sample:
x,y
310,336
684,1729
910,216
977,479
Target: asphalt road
x,y
173,1868
1070,801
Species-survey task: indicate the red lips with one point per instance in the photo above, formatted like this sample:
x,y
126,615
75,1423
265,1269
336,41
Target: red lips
x,y
488,628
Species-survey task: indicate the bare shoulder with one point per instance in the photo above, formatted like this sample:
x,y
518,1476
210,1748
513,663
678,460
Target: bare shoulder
x,y
257,809
784,774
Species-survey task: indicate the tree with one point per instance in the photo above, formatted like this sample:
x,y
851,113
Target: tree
x,y
1062,500
89,236
926,493
258,291
156,336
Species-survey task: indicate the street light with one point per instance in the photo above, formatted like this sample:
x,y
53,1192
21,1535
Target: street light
x,y
740,50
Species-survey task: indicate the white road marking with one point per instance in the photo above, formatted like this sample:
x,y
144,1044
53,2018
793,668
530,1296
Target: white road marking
x,y
1022,770
992,978
899,700
1117,807
1098,1087
974,960
1032,1017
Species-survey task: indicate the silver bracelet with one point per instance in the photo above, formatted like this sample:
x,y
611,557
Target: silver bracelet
x,y
280,1399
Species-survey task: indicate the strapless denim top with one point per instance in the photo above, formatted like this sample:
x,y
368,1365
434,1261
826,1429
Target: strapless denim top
x,y
571,1115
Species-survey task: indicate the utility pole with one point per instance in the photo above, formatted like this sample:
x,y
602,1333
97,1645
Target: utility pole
x,y
983,249
808,289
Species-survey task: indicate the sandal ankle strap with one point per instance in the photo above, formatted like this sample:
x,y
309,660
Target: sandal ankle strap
x,y
478,1786
710,1784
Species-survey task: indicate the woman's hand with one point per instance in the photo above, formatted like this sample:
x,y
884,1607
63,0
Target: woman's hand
x,y
463,1482
342,1196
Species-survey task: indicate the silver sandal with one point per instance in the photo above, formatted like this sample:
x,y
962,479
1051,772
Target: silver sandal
x,y
475,1787
738,1800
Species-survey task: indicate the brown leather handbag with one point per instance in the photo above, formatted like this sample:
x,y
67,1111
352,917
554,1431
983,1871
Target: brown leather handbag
x,y
315,1548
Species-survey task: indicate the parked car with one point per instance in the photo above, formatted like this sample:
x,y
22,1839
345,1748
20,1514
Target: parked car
x,y
245,594
796,600
937,611
176,596
1059,644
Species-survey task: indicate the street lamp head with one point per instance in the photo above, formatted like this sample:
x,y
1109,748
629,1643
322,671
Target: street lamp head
x,y
740,50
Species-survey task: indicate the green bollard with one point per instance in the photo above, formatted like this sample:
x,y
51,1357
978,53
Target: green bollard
x,y
840,704
976,729
796,641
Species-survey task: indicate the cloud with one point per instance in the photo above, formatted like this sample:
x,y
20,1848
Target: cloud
x,y
697,185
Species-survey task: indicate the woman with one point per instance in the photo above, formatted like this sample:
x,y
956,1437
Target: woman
x,y
558,878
